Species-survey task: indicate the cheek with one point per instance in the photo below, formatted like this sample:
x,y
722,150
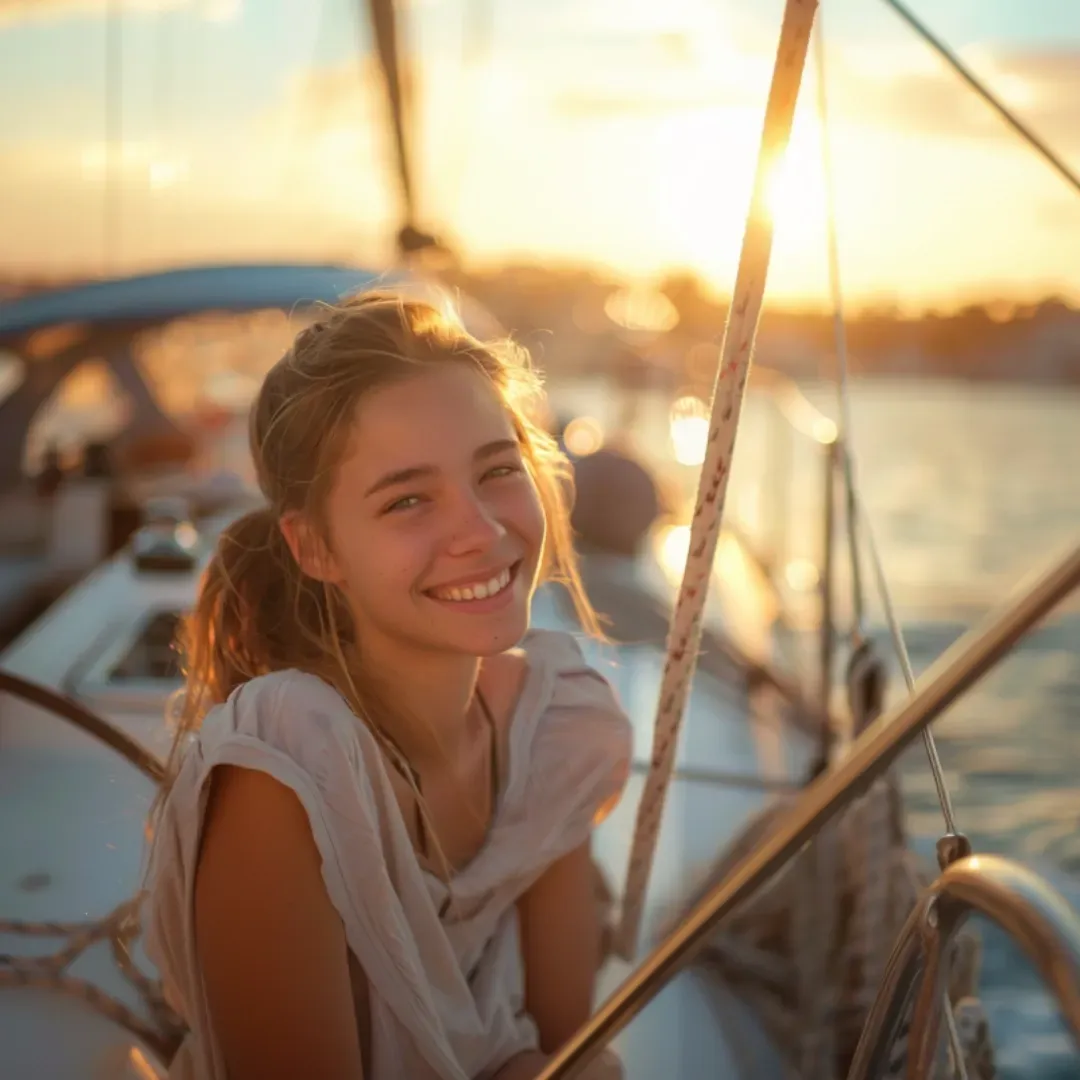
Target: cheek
x,y
391,564
525,514
371,557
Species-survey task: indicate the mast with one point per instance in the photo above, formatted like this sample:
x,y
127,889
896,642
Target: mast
x,y
384,23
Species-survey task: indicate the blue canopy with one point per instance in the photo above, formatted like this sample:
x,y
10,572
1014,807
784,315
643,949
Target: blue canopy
x,y
176,293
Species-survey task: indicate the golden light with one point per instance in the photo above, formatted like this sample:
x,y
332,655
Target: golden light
x,y
641,310
142,1066
748,509
167,172
231,389
689,427
795,189
583,436
732,562
803,415
702,361
1013,88
824,430
747,600
186,535
673,545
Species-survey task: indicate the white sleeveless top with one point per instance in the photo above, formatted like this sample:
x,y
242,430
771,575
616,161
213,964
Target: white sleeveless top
x,y
446,995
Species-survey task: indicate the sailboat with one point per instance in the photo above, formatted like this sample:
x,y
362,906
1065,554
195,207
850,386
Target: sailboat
x,y
84,1003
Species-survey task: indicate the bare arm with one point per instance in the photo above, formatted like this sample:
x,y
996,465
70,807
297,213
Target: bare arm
x,y
560,941
271,945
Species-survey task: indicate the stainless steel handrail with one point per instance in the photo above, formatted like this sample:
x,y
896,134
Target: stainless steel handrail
x,y
1032,913
869,757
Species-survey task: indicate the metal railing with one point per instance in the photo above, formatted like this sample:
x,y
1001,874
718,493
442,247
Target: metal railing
x,y
1033,914
872,753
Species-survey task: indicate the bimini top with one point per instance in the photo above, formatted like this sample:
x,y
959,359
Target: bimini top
x,y
175,293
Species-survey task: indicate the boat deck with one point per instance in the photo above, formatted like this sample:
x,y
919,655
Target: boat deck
x,y
72,814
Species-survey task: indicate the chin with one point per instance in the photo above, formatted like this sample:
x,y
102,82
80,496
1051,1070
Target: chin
x,y
482,628
495,637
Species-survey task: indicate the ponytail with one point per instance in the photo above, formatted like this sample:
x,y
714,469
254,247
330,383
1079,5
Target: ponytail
x,y
256,612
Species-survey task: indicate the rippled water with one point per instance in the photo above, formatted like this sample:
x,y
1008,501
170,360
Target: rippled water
x,y
969,488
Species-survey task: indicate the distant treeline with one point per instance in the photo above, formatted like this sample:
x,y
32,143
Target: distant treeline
x,y
996,340
561,313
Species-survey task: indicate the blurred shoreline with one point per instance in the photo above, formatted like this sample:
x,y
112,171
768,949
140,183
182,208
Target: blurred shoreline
x,y
583,321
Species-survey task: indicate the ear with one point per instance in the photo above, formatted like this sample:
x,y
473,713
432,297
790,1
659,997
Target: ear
x,y
308,548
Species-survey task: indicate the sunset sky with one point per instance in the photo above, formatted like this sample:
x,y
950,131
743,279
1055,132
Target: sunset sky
x,y
620,132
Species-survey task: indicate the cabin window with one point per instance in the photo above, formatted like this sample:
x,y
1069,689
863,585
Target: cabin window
x,y
152,654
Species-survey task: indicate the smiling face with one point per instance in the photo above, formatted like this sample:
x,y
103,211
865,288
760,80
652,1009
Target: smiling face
x,y
435,526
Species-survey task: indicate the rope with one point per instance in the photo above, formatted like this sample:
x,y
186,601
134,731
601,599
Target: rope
x,y
872,847
735,353
120,928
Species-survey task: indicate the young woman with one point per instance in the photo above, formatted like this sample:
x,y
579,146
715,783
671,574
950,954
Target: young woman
x,y
371,858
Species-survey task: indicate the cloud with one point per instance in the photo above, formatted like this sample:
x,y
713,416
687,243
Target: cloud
x,y
176,206
907,90
1042,87
321,147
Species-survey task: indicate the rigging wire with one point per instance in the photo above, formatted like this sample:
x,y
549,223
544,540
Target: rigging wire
x,y
1037,144
840,332
856,510
976,84
861,517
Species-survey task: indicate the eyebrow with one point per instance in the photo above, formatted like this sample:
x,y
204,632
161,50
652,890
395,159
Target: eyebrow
x,y
420,472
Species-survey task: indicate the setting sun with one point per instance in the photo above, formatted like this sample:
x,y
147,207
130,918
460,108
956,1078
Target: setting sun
x,y
623,135
795,194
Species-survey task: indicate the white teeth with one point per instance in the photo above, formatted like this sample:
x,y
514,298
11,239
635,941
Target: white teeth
x,y
480,591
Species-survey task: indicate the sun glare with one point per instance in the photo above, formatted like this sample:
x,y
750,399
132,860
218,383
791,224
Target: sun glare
x,y
689,427
795,189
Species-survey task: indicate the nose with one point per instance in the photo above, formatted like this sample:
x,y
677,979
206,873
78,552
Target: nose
x,y
475,527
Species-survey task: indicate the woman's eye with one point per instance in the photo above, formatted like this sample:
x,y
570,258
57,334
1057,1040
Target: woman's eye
x,y
406,502
500,471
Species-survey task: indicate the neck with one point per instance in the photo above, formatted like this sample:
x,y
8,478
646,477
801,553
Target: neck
x,y
428,697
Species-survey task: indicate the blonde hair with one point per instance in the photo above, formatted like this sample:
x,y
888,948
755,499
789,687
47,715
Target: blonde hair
x,y
256,611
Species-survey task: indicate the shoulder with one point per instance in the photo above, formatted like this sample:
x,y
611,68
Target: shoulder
x,y
287,715
545,676
257,809
574,686
582,740
261,699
